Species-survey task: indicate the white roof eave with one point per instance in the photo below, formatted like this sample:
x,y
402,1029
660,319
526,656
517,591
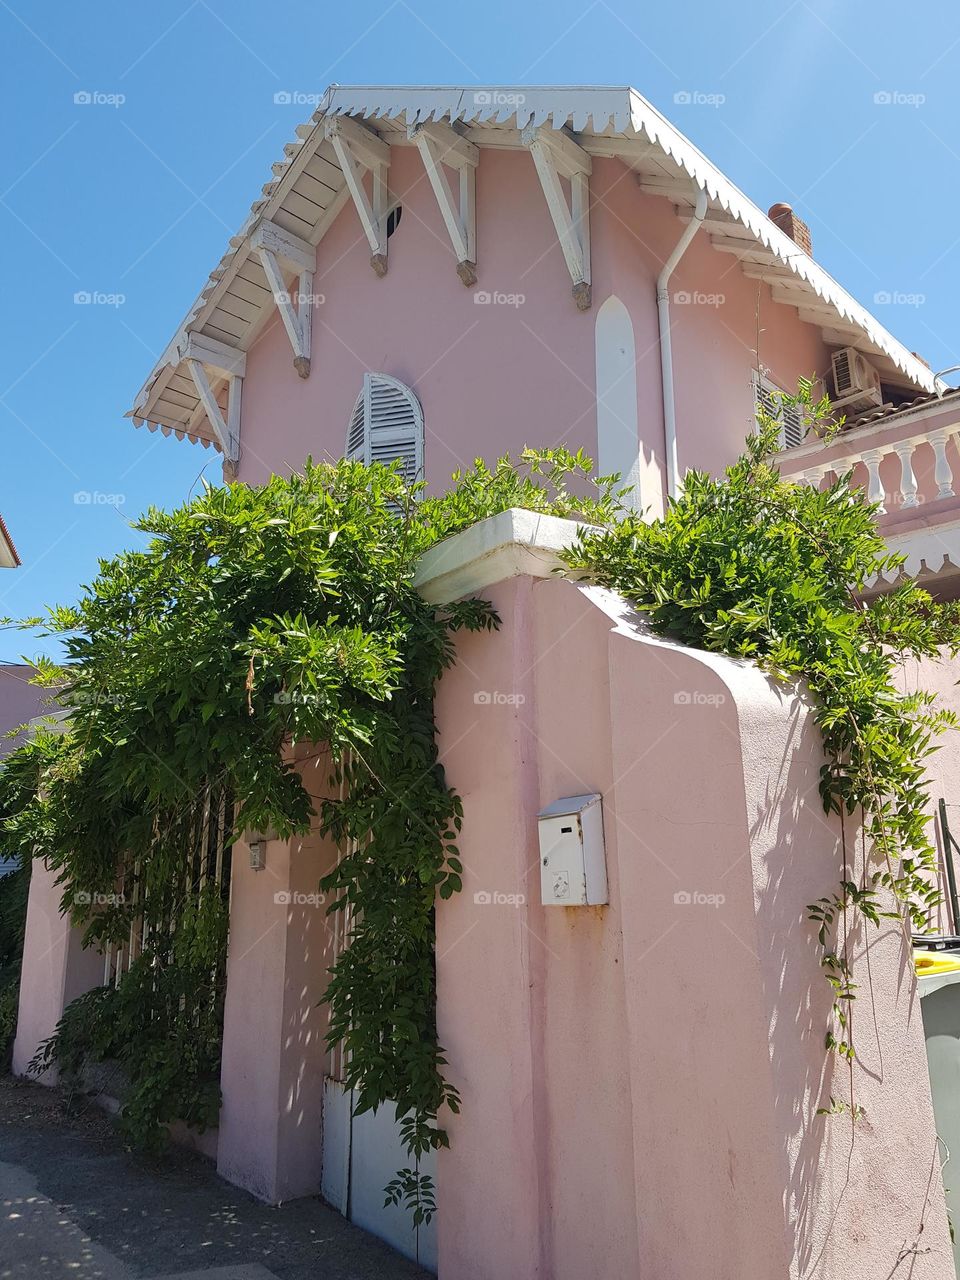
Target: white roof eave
x,y
584,110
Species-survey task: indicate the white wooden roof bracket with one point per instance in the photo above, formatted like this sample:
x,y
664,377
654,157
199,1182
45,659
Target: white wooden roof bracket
x,y
278,249
204,356
557,156
359,149
441,145
601,122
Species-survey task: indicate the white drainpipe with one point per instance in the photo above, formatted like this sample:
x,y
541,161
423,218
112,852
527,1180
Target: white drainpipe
x,y
666,351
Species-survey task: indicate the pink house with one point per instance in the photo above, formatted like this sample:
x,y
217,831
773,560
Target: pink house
x,y
20,700
440,273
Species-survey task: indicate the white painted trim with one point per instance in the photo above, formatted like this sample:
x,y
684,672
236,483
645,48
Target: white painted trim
x,y
438,146
370,149
568,156
556,155
357,150
932,547
455,150
227,435
502,546
234,390
296,320
219,357
297,254
8,556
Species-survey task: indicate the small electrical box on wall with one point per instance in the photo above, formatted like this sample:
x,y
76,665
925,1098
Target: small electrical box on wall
x,y
573,868
256,842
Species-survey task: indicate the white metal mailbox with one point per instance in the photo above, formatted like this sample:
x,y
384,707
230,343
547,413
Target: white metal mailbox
x,y
573,868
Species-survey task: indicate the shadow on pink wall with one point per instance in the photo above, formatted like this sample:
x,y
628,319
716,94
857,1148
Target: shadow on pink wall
x,y
641,1080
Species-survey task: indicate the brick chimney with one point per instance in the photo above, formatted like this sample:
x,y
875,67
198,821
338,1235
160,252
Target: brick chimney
x,y
788,222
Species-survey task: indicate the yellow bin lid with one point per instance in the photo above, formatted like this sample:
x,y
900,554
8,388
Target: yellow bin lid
x,y
935,962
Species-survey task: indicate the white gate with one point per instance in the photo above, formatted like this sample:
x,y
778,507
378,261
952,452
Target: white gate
x,y
361,1154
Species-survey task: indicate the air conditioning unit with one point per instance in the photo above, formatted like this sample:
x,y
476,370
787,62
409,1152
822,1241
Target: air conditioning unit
x,y
855,381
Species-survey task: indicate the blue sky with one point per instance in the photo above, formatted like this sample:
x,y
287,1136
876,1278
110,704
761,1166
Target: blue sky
x,y
848,110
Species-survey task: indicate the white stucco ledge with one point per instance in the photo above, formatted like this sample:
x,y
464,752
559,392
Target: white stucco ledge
x,y
502,546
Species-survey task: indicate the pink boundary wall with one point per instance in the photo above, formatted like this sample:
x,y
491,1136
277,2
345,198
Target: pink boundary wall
x,y
943,769
274,1055
640,1080
56,968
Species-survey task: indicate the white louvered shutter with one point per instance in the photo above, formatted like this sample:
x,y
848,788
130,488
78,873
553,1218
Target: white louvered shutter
x,y
387,425
768,394
356,450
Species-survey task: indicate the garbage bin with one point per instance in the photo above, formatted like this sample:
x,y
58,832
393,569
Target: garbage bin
x,y
939,987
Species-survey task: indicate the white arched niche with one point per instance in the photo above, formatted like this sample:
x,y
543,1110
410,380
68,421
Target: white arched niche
x,y
618,440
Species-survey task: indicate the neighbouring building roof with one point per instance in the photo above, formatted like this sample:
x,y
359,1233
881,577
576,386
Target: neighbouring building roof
x,y
9,559
932,401
308,189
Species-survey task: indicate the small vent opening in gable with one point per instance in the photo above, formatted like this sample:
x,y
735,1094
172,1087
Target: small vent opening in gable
x,y
387,426
790,416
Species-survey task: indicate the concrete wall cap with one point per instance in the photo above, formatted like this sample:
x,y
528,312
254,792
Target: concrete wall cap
x,y
746,682
516,542
503,546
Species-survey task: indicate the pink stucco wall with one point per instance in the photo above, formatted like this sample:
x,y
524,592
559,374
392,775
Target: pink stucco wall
x,y
20,701
943,767
274,1054
641,1080
56,968
493,378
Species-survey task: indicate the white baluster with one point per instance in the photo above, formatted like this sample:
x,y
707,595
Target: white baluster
x,y
875,490
814,477
943,473
908,481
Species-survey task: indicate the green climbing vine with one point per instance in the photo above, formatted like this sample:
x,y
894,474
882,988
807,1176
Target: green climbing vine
x,y
256,618
755,567
253,619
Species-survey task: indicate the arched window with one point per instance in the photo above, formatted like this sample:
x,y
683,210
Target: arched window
x,y
387,425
